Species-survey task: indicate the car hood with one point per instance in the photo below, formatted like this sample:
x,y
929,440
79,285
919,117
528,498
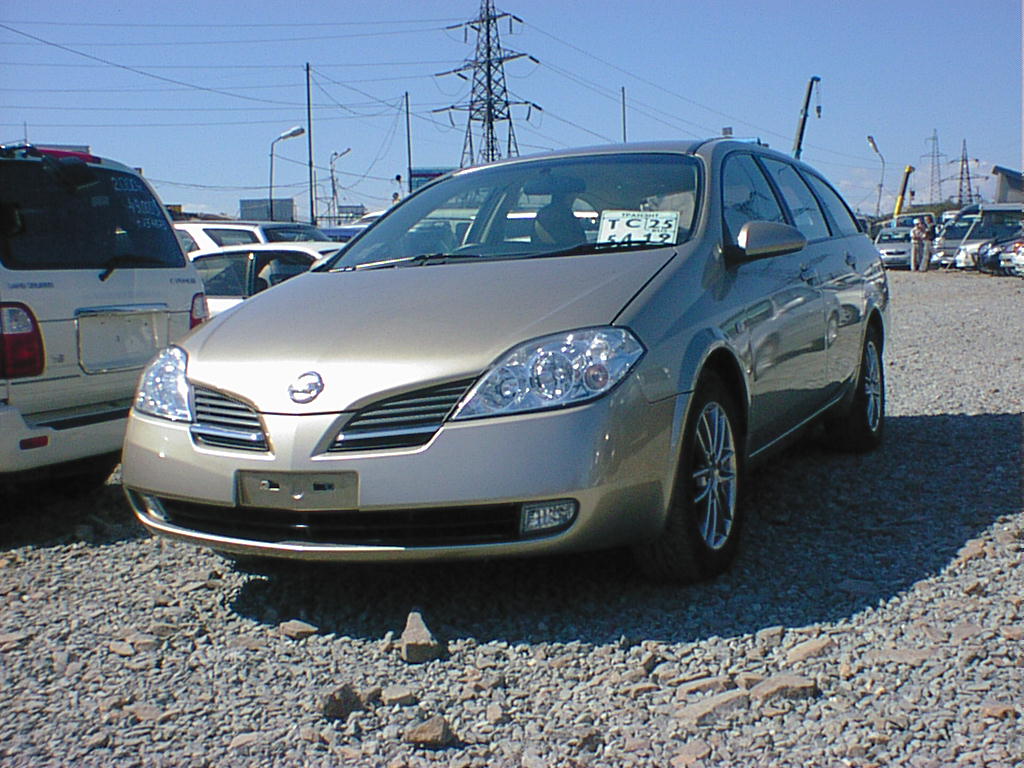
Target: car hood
x,y
374,333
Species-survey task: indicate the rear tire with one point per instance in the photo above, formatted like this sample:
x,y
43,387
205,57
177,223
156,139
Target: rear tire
x,y
704,521
862,427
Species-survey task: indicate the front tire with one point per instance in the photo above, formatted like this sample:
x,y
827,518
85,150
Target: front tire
x,y
704,520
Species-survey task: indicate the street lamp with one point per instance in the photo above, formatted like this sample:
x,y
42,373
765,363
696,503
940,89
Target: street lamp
x,y
291,133
878,205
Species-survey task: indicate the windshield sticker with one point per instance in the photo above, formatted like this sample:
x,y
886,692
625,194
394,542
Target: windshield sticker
x,y
655,227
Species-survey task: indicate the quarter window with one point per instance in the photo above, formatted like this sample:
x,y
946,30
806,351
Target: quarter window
x,y
747,195
807,216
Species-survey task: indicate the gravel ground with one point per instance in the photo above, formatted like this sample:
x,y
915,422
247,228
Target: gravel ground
x,y
873,618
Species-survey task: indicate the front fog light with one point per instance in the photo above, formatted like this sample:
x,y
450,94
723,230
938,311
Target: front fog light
x,y
547,516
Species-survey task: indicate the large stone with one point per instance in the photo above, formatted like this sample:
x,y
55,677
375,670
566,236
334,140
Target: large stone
x,y
418,643
243,740
297,629
784,686
998,710
341,702
122,648
691,752
710,708
809,649
715,684
433,733
913,657
398,694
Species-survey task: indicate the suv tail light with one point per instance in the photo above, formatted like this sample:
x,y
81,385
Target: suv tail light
x,y
21,342
199,312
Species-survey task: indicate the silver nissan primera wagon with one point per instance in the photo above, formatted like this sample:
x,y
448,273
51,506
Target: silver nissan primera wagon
x,y
571,351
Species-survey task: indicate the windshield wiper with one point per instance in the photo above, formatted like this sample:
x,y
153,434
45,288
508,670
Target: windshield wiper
x,y
127,260
417,260
600,248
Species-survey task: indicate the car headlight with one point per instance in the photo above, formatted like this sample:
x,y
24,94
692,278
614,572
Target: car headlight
x,y
163,389
553,372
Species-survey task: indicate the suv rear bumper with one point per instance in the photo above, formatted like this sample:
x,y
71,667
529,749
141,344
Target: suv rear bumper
x,y
25,446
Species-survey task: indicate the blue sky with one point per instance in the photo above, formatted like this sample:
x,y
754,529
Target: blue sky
x,y
194,92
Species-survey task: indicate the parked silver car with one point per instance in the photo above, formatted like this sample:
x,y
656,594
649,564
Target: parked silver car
x,y
453,386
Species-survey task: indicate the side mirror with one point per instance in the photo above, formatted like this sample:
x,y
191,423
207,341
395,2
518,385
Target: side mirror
x,y
760,239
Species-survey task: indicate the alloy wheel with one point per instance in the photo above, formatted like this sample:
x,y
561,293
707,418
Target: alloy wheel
x,y
715,477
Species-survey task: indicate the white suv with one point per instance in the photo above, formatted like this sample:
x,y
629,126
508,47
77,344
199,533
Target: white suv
x,y
92,283
206,235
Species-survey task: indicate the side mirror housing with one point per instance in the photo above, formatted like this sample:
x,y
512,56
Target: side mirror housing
x,y
760,239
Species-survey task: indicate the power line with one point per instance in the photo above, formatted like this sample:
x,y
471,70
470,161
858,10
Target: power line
x,y
232,25
141,72
229,66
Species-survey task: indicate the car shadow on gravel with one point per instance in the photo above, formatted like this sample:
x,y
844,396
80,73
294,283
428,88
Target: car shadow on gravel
x,y
828,534
63,510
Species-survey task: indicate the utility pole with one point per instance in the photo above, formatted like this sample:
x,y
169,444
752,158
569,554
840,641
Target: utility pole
x,y
964,195
489,102
408,144
802,124
623,114
309,146
335,218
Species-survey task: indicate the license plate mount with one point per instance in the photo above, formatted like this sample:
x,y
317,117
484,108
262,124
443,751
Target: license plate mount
x,y
301,491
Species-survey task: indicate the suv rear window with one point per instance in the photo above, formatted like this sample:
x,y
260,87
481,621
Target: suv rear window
x,y
293,233
105,216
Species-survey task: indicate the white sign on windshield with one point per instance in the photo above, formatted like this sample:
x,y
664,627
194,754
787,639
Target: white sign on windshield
x,y
655,227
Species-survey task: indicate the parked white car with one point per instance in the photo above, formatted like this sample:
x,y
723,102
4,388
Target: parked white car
x,y
209,234
92,284
233,274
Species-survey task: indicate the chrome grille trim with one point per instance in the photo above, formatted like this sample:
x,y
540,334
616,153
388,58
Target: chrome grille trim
x,y
404,421
223,422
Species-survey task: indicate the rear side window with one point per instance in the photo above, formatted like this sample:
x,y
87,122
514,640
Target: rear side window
x,y
223,275
807,216
224,237
841,217
102,217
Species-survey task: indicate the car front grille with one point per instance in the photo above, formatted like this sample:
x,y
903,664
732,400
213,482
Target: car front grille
x,y
404,421
486,524
223,422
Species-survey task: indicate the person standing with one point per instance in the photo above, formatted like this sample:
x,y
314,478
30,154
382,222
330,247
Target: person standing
x,y
918,258
929,241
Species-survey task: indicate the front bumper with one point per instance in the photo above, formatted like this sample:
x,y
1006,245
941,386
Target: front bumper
x,y
614,458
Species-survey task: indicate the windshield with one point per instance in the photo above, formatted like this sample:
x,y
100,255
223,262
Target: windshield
x,y
898,236
537,208
110,219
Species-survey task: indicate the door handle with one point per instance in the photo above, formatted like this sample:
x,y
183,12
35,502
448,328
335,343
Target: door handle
x,y
850,260
808,275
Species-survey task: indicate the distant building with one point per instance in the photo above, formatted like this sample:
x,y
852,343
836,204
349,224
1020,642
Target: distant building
x,y
257,210
1009,185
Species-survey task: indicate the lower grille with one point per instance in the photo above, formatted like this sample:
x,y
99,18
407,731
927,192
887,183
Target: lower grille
x,y
487,524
